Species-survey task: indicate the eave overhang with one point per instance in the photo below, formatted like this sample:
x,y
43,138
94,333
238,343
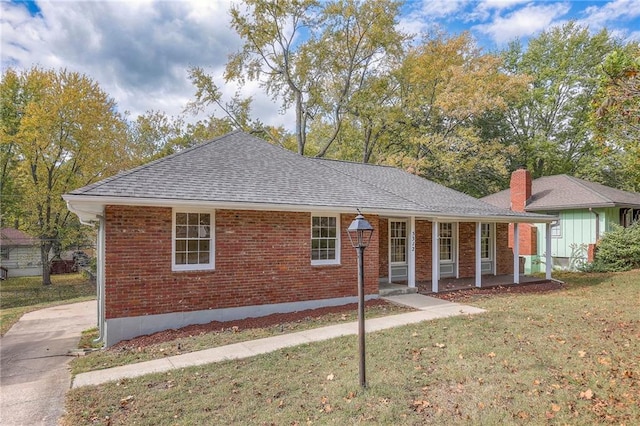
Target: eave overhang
x,y
90,208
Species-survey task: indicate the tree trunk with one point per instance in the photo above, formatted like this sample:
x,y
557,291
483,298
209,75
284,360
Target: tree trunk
x,y
45,248
300,136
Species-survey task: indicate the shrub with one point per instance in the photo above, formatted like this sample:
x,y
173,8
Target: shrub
x,y
618,250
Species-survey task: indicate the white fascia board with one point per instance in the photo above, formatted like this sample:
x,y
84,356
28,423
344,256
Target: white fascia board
x,y
89,208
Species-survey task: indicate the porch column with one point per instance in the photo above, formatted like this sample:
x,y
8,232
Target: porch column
x,y
411,278
516,254
548,251
435,257
478,255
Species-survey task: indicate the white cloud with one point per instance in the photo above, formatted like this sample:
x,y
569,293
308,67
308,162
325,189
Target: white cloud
x,y
422,15
601,16
138,52
523,22
484,8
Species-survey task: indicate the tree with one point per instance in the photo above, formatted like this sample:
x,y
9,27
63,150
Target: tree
x,y
66,133
616,118
549,125
354,55
447,85
273,54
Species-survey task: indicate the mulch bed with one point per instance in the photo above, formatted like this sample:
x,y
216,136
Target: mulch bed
x,y
276,319
469,294
243,324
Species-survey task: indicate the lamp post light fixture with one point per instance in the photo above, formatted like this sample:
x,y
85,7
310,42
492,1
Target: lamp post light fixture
x,y
360,232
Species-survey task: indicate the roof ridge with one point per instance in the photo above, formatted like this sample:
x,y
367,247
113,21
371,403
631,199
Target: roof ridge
x,y
580,182
336,160
369,183
136,169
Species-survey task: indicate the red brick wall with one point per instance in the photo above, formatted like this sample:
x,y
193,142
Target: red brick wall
x,y
383,232
423,250
504,255
467,249
261,258
527,237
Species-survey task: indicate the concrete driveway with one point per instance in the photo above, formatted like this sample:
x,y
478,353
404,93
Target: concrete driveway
x,y
34,375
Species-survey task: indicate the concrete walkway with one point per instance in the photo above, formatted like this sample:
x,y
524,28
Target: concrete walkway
x,y
34,353
428,308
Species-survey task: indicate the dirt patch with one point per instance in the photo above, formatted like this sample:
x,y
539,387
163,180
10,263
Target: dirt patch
x,y
243,324
467,295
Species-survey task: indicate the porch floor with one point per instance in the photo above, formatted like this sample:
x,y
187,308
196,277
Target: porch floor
x,y
454,284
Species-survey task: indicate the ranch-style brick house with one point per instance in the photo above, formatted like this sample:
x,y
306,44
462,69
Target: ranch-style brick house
x,y
237,227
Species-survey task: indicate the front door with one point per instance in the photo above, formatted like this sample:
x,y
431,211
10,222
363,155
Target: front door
x,y
398,268
448,249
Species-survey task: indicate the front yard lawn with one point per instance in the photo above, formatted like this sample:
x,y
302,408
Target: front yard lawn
x,y
566,357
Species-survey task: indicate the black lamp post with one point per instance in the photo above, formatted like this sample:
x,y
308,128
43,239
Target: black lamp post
x,y
360,232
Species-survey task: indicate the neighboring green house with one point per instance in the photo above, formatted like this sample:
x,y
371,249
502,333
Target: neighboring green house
x,y
586,210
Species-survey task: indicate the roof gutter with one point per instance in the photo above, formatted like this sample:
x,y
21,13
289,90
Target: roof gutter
x,y
90,208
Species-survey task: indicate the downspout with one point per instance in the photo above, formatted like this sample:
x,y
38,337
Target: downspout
x,y
100,293
597,224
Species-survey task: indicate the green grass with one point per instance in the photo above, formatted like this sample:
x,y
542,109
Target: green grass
x,y
566,357
132,354
25,294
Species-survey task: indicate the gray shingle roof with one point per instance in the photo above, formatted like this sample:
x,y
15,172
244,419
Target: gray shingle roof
x,y
240,168
562,192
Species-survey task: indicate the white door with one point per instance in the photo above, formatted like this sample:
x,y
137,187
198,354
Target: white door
x,y
398,268
448,249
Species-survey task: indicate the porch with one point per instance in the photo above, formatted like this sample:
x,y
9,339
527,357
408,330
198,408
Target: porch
x,y
453,284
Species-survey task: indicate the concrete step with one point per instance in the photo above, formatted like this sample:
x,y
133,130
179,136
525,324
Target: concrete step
x,y
385,290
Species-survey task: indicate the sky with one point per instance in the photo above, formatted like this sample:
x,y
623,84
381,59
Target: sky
x,y
139,51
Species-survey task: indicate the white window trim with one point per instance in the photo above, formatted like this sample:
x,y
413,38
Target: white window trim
x,y
454,242
320,262
212,242
406,241
556,224
492,241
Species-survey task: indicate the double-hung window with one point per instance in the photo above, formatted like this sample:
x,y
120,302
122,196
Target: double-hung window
x,y
193,240
398,241
325,240
446,242
485,241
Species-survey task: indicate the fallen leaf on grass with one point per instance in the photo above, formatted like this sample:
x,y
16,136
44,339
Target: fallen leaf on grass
x,y
555,408
420,405
588,394
124,401
491,355
581,354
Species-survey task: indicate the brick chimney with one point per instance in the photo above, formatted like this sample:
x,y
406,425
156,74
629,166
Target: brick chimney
x,y
521,192
520,189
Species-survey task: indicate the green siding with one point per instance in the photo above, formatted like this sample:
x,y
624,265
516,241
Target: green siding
x,y
578,230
